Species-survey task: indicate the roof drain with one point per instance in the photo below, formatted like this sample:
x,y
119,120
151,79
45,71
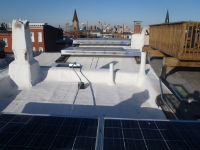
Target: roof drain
x,y
162,98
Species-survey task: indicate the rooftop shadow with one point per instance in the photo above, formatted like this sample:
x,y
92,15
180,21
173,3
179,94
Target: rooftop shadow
x,y
106,66
5,100
129,108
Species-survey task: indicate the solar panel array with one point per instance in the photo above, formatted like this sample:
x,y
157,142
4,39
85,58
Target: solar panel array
x,y
59,133
151,135
49,133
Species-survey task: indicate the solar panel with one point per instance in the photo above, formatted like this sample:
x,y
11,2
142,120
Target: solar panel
x,y
45,132
151,135
54,133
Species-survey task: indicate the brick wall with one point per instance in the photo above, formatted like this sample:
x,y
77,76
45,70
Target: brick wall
x,y
137,29
7,35
36,44
49,37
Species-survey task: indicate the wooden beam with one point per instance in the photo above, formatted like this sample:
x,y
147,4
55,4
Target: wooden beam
x,y
169,63
169,69
146,48
152,52
174,62
155,53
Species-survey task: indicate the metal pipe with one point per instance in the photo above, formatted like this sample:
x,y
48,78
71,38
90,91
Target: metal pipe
x,y
111,72
161,90
142,63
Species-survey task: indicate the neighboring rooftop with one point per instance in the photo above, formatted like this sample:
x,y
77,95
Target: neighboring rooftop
x,y
37,24
102,41
100,51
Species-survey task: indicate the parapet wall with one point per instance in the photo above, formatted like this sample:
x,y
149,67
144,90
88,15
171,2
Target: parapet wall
x,y
94,76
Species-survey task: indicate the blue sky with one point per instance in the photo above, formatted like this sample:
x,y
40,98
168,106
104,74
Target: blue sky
x,y
57,12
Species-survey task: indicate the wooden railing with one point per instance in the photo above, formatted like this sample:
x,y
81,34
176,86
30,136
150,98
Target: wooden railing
x,y
180,39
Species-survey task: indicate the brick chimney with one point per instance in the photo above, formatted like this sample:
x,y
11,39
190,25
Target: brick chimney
x,y
137,27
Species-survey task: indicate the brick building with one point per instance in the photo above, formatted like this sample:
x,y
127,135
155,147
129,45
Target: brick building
x,y
43,38
6,36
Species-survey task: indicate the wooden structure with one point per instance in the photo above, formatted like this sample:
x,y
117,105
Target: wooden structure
x,y
178,43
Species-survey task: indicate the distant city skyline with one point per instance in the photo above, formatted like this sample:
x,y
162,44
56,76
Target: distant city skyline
x,y
108,12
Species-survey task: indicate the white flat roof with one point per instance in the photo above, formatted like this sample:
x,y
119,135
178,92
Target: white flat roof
x,y
58,93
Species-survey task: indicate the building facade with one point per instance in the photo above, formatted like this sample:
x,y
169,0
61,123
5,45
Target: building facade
x,y
37,36
100,26
43,38
6,36
84,26
67,27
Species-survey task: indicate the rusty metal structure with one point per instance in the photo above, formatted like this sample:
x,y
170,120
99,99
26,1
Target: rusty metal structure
x,y
180,39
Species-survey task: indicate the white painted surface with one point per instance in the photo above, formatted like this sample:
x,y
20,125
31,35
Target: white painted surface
x,y
142,64
93,63
61,98
24,70
111,70
138,40
58,94
7,87
37,24
47,59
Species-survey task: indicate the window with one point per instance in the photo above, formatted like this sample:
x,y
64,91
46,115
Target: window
x,y
40,49
6,42
39,36
32,37
34,49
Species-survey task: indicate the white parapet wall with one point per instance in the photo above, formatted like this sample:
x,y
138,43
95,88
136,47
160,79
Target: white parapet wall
x,y
24,70
101,76
139,40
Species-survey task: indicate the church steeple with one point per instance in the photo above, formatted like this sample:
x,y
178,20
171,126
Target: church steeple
x,y
75,18
75,22
167,17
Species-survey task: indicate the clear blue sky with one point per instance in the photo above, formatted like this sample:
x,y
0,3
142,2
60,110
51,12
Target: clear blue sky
x,y
56,12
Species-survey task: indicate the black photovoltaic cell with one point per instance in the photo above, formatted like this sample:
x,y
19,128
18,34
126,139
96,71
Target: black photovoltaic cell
x,y
83,143
132,134
113,144
134,144
49,133
151,135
